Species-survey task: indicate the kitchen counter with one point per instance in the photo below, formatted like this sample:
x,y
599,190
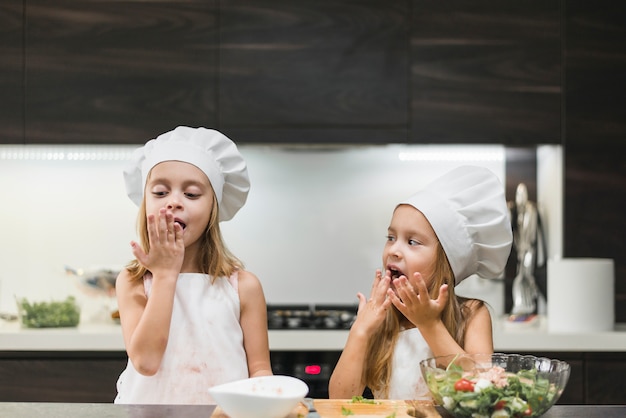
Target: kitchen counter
x,y
79,410
108,337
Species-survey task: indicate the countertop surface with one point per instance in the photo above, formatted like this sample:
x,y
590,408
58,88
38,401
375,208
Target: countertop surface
x,y
108,337
326,408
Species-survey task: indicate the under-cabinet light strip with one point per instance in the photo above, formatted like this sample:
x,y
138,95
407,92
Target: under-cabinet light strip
x,y
66,152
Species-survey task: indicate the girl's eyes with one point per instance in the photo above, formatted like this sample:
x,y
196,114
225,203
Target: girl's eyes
x,y
163,193
411,242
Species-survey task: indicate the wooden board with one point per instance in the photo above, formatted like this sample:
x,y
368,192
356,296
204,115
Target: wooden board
x,y
338,408
334,408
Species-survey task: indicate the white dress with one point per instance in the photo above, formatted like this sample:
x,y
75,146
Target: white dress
x,y
205,346
406,382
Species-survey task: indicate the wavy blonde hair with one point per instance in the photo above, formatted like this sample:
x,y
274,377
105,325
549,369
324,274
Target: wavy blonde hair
x,y
217,260
455,315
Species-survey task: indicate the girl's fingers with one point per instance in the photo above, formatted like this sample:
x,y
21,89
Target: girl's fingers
x,y
362,300
153,235
421,284
443,294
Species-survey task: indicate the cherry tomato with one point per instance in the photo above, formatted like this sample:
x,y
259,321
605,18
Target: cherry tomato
x,y
464,385
500,405
528,412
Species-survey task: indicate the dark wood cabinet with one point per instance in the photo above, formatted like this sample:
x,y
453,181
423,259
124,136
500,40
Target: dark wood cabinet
x,y
277,71
11,72
60,376
486,72
605,373
314,71
118,72
91,376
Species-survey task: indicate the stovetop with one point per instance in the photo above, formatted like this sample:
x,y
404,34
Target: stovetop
x,y
314,317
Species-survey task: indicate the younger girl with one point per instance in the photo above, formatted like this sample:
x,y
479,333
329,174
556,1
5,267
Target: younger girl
x,y
455,227
191,316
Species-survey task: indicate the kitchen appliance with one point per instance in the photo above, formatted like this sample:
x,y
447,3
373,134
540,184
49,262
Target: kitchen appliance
x,y
311,366
312,317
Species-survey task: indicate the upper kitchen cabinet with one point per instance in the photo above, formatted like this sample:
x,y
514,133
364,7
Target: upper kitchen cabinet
x,y
11,72
118,72
314,71
486,71
595,56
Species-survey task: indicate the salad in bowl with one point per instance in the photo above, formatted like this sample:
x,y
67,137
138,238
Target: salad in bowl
x,y
495,385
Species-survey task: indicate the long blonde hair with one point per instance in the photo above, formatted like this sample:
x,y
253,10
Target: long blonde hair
x,y
377,370
216,261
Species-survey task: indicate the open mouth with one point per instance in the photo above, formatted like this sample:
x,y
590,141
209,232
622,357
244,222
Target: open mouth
x,y
395,273
181,223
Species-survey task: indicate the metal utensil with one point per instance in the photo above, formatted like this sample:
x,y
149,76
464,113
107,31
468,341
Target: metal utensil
x,y
309,403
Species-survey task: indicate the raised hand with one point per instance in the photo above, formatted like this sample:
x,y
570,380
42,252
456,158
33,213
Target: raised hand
x,y
414,301
167,248
372,311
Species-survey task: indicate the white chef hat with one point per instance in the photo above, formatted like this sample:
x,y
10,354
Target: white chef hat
x,y
467,209
209,150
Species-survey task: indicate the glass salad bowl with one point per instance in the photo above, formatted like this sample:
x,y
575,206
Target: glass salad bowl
x,y
495,385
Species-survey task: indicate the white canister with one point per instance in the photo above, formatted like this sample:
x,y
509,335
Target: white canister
x,y
581,295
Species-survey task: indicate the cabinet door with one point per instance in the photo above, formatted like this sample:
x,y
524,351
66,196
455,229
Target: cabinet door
x,y
314,71
11,72
118,72
486,71
60,378
605,378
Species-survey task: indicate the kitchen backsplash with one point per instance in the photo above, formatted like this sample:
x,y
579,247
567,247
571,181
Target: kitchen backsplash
x,y
312,230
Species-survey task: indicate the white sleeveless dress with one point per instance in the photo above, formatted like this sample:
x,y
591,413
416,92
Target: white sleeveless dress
x,y
205,346
406,381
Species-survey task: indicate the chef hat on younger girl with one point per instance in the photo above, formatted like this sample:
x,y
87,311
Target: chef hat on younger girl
x,y
467,209
209,150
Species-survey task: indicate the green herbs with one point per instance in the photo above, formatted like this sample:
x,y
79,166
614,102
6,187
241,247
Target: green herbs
x,y
49,314
346,411
361,399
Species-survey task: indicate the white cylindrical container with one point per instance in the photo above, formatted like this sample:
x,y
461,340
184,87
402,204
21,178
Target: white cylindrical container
x,y
581,295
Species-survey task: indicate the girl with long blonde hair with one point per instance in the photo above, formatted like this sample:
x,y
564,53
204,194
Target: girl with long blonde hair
x,y
455,227
191,316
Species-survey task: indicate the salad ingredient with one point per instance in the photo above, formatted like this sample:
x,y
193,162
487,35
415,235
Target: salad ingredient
x,y
49,314
361,399
464,385
492,393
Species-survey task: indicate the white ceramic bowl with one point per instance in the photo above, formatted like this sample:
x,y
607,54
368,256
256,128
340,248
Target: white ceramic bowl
x,y
260,397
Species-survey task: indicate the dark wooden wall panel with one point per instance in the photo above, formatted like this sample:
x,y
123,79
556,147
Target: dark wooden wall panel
x,y
11,72
595,167
329,70
606,371
595,56
118,72
60,377
486,72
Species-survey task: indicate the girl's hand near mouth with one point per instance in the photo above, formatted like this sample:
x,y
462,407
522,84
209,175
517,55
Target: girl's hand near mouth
x,y
167,248
415,303
372,312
